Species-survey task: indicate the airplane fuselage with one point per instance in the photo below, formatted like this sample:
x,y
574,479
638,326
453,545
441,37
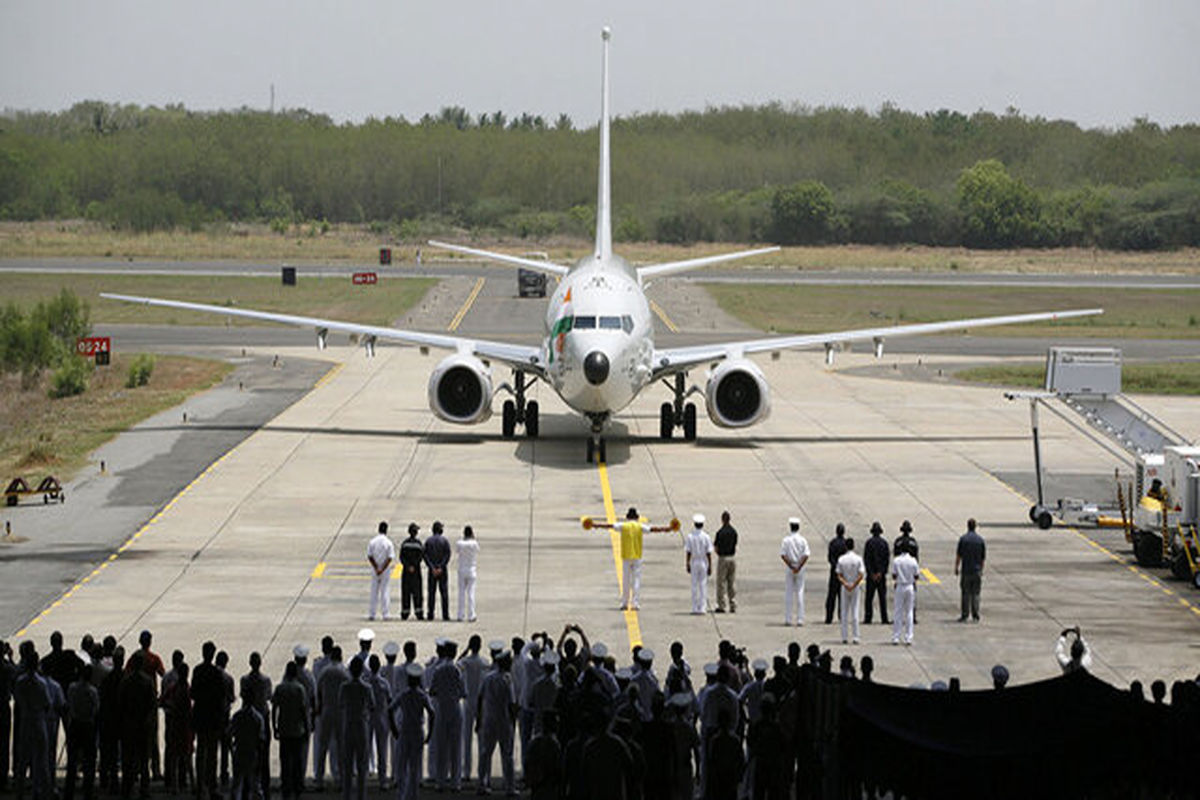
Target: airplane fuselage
x,y
599,336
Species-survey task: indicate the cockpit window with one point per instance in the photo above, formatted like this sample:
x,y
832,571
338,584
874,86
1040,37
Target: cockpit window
x,y
610,323
627,324
585,322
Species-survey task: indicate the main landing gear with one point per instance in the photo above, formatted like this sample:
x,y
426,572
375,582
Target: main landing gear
x,y
519,411
678,414
596,449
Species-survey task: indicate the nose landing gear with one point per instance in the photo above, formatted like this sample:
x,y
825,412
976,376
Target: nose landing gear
x,y
597,452
519,411
678,414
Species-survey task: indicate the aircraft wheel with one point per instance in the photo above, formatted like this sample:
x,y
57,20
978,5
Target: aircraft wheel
x,y
531,419
1044,520
1147,548
1033,513
1196,580
689,422
508,419
591,450
665,423
1180,567
602,452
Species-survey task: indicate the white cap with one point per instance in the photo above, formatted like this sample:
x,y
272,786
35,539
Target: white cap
x,y
645,655
599,650
495,646
366,635
391,648
440,641
300,651
759,665
624,674
698,519
549,658
794,521
414,670
711,669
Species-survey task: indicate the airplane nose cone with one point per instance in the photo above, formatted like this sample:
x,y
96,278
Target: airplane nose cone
x,y
595,368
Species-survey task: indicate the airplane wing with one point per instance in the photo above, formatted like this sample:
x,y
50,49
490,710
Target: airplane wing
x,y
673,267
547,267
524,357
678,359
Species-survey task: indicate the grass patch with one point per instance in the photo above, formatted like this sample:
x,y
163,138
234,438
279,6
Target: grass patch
x,y
1128,313
1173,377
328,297
358,244
40,436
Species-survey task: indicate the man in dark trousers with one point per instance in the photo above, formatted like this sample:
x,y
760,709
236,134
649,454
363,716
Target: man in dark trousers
x,y
877,559
837,547
412,554
138,712
8,674
83,711
437,558
290,721
968,563
208,720
256,689
907,543
725,544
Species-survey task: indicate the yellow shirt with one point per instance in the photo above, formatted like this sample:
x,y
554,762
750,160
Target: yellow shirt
x,y
631,539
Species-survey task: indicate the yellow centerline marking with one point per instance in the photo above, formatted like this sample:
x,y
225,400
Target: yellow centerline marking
x,y
657,309
318,570
466,306
929,576
334,370
632,627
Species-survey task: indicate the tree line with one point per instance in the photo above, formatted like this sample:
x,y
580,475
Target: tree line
x,y
771,173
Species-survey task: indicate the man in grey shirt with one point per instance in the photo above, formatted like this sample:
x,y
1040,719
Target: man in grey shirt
x,y
968,565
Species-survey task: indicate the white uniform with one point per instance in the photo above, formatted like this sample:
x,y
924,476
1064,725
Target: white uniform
x,y
906,572
468,554
472,668
850,567
381,550
795,549
698,545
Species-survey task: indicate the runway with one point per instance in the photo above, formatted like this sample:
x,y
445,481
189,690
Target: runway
x,y
266,548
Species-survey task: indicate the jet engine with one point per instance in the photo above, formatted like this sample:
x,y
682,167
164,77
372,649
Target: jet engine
x,y
737,394
460,390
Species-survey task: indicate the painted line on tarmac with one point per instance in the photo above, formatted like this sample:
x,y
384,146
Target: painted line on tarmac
x,y
466,306
144,528
1136,570
930,577
657,309
632,627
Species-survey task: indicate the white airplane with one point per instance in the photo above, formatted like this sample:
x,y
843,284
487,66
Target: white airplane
x,y
598,353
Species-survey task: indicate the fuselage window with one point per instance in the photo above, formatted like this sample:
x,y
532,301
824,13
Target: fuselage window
x,y
610,323
627,324
585,322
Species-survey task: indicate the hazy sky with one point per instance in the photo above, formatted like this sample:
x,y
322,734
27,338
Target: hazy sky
x,y
1098,62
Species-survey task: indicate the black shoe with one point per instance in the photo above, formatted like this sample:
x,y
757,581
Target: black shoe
x,y
719,610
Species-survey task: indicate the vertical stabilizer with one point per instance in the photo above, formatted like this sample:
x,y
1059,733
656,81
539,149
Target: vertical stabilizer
x,y
604,199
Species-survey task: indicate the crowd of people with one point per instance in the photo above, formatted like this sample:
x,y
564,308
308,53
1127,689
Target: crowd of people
x,y
568,720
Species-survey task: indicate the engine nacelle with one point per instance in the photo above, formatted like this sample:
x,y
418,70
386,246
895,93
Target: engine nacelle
x,y
737,394
460,390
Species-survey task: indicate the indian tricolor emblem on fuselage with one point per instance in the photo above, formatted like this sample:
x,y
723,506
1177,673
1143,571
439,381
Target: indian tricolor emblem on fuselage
x,y
561,327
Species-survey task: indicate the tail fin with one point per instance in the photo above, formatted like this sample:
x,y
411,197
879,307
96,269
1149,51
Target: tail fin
x,y
604,200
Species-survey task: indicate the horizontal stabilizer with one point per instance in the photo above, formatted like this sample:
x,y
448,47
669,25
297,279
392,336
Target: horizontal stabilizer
x,y
672,267
528,263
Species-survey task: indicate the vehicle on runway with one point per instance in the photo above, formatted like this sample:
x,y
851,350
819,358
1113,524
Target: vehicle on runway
x,y
598,353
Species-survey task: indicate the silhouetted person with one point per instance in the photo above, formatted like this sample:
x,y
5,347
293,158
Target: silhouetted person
x,y
289,710
999,676
177,712
110,723
876,557
412,555
208,720
543,762
222,663
256,687
152,665
355,703
769,754
866,667
137,710
32,702
1158,690
329,684
8,674
83,713
247,732
1137,692
723,762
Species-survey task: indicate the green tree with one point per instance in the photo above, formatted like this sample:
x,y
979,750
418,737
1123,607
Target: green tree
x,y
997,210
803,213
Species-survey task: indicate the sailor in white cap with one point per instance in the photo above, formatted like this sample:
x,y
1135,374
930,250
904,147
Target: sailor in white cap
x,y
472,667
751,695
794,553
647,682
447,690
497,717
366,637
407,716
697,561
305,676
381,555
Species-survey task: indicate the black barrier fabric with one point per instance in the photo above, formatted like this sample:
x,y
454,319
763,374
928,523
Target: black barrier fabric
x,y
1073,736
